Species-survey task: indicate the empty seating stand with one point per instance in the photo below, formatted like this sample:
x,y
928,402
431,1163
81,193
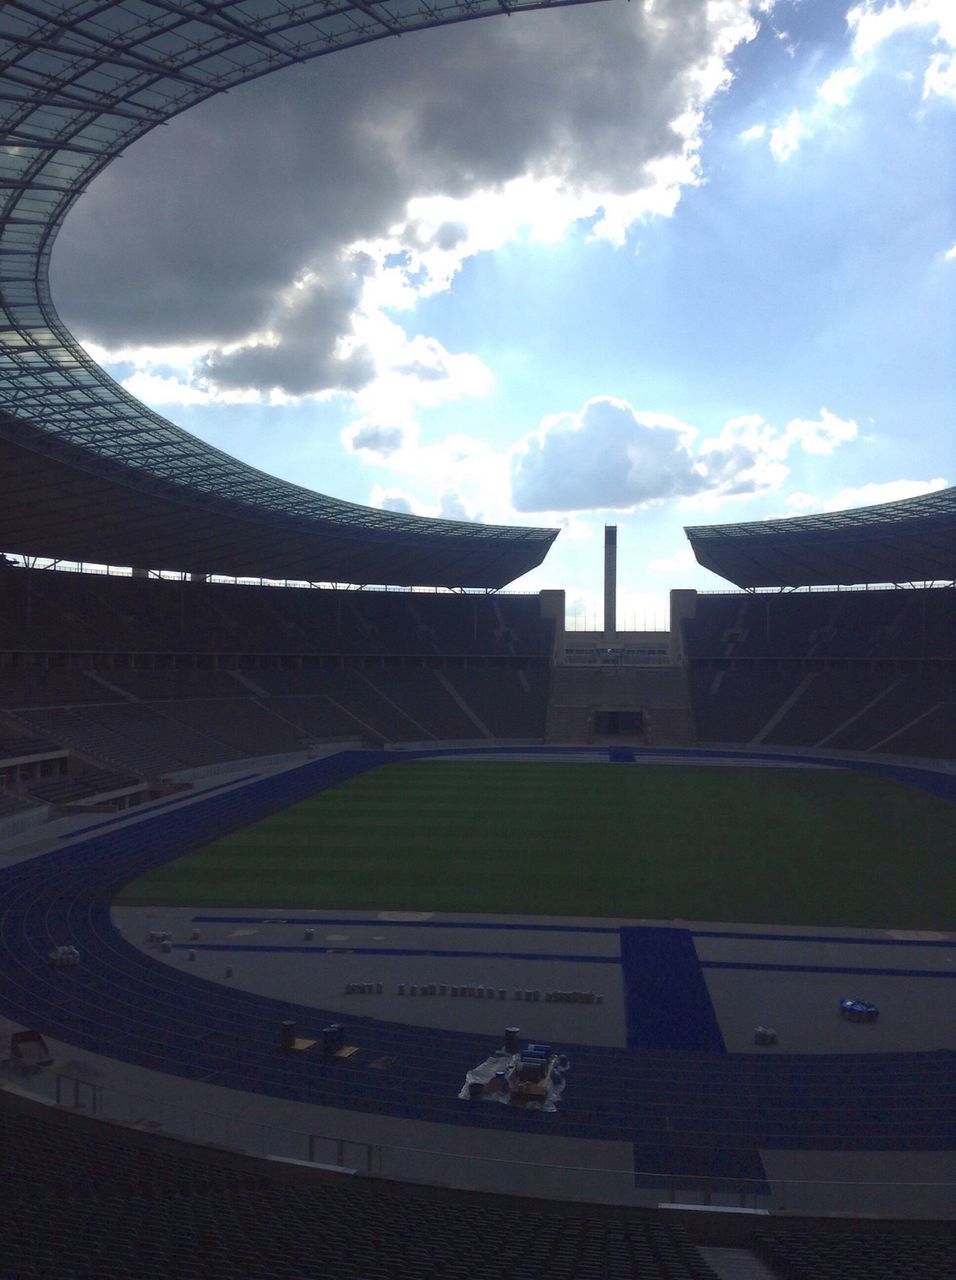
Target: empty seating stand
x,y
165,676
48,611
860,671
86,1199
11,805
86,785
885,1251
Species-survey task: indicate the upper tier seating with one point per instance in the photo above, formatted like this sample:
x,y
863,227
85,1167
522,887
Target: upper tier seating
x,y
43,610
48,687
904,624
22,746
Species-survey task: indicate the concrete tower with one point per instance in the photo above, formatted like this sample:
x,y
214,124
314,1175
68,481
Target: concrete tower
x,y
610,581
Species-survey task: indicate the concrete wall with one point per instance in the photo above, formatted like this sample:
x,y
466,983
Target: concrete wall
x,y
683,604
553,606
660,693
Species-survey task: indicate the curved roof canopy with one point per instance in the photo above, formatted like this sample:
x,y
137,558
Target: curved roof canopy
x,y
86,471
909,541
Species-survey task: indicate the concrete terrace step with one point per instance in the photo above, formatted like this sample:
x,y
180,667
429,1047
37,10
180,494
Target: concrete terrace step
x,y
736,1264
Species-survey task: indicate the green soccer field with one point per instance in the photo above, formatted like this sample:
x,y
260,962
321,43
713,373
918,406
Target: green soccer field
x,y
775,846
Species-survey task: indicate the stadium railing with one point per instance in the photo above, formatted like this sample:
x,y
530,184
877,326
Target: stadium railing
x,y
403,1162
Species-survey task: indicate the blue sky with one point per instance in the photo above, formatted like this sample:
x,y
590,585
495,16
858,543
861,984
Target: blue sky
x,y
642,265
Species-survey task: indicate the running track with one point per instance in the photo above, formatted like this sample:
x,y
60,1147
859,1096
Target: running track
x,y
684,1109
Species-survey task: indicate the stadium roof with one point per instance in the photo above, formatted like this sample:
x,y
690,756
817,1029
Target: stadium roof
x,y
909,541
86,471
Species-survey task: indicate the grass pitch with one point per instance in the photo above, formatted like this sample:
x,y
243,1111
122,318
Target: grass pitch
x,y
782,846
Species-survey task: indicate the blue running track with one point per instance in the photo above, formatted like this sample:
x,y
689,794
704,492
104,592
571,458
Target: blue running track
x,y
673,1095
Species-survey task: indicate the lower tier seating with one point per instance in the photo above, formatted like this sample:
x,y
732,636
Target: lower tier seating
x,y
181,724
86,1199
851,708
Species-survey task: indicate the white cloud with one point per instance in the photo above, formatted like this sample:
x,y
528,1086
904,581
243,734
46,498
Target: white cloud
x,y
393,500
580,118
838,88
575,528
680,562
451,504
610,456
605,456
178,356
800,503
950,254
412,375
155,390
753,133
459,477
940,78
873,25
835,92
749,454
164,376
382,441
745,457
311,343
785,138
869,495
822,435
